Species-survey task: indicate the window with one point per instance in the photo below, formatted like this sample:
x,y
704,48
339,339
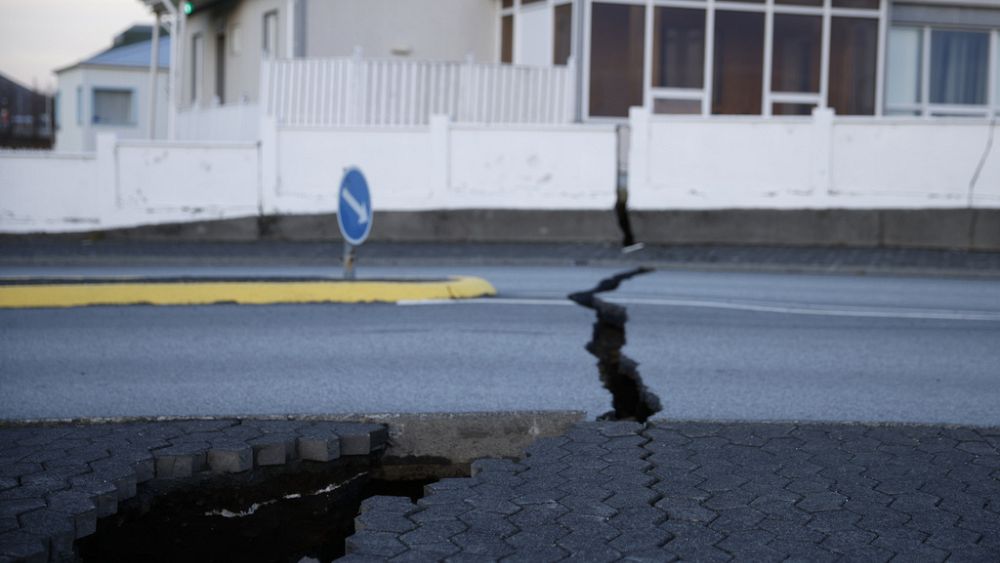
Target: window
x,y
940,71
678,48
562,36
853,61
507,39
220,68
616,57
270,37
739,58
795,61
902,85
959,71
112,107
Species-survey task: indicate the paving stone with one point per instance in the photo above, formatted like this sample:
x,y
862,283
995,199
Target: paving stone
x,y
273,448
79,507
118,472
57,527
434,532
381,521
232,457
427,552
686,510
482,544
388,504
542,553
380,544
316,445
181,460
22,546
356,438
102,493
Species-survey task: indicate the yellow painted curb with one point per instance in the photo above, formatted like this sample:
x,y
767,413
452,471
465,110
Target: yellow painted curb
x,y
244,292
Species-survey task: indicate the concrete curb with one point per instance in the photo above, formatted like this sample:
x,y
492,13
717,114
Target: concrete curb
x,y
79,293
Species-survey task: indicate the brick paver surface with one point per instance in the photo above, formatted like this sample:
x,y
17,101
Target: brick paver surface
x,y
56,481
705,492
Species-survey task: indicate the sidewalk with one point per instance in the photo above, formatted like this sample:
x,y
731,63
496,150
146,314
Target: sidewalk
x,y
708,492
43,252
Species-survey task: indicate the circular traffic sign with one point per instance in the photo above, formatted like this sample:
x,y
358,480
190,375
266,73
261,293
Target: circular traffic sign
x,y
354,207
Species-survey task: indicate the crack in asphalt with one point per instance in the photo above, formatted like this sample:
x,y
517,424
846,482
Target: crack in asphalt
x,y
630,397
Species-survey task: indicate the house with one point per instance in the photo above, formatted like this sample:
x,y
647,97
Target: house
x,y
691,57
111,92
25,116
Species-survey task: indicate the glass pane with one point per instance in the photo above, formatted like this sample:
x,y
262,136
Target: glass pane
x,y
738,62
749,1
508,3
902,85
689,107
853,54
616,37
800,2
869,4
507,39
562,34
112,107
959,67
678,48
792,109
523,2
795,63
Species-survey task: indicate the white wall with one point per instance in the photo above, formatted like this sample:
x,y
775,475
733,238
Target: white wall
x,y
127,183
41,191
817,162
74,136
444,166
428,29
237,122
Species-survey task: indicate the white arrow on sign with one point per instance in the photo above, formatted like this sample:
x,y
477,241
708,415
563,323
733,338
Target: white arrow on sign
x,y
360,210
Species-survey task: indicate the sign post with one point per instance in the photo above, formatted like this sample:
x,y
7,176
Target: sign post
x,y
354,215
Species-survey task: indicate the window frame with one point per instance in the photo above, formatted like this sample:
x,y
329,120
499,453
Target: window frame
x,y
768,7
924,109
514,11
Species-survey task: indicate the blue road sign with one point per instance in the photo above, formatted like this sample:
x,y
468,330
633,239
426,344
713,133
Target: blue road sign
x,y
354,207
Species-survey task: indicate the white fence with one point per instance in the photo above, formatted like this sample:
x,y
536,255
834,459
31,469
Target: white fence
x,y
814,162
351,91
240,123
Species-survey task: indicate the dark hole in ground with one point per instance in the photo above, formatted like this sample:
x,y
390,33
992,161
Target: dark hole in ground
x,y
630,397
301,513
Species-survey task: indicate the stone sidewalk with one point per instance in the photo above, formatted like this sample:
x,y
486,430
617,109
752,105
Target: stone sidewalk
x,y
709,492
57,480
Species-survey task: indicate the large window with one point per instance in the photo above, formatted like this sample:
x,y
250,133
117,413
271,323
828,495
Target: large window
x,y
738,63
616,57
112,106
934,71
744,57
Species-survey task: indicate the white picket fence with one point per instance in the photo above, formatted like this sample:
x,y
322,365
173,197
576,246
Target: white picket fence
x,y
351,91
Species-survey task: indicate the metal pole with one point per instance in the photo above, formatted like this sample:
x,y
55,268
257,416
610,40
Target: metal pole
x,y
154,71
348,261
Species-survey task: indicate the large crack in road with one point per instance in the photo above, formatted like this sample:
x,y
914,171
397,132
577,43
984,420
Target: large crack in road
x,y
630,397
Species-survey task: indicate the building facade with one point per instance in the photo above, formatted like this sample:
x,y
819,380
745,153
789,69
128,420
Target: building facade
x,y
110,93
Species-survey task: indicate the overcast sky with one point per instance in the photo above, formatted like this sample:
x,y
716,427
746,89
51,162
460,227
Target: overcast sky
x,y
39,36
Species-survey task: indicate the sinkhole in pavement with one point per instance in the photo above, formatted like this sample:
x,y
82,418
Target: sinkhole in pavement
x,y
297,514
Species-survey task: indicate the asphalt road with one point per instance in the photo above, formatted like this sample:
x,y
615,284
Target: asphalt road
x,y
717,346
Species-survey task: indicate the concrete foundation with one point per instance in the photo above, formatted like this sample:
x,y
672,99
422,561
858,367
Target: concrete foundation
x,y
959,229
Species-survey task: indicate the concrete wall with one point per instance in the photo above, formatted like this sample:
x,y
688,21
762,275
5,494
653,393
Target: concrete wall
x,y
419,29
127,183
80,136
822,162
443,166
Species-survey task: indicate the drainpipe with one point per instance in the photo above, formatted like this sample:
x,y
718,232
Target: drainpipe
x,y
154,70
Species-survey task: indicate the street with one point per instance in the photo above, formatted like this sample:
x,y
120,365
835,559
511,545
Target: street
x,y
714,346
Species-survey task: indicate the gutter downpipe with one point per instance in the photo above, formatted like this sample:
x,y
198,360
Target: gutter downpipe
x,y
154,70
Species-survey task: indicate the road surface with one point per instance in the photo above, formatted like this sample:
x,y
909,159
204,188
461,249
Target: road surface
x,y
714,346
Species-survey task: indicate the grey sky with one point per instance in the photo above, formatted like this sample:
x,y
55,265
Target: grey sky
x,y
39,36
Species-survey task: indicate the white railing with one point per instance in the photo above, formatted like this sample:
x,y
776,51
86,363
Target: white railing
x,y
238,122
351,91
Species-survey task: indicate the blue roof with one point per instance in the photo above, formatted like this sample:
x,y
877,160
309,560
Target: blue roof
x,y
133,55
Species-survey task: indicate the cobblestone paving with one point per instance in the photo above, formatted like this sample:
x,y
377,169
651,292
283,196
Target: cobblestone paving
x,y
56,481
707,492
